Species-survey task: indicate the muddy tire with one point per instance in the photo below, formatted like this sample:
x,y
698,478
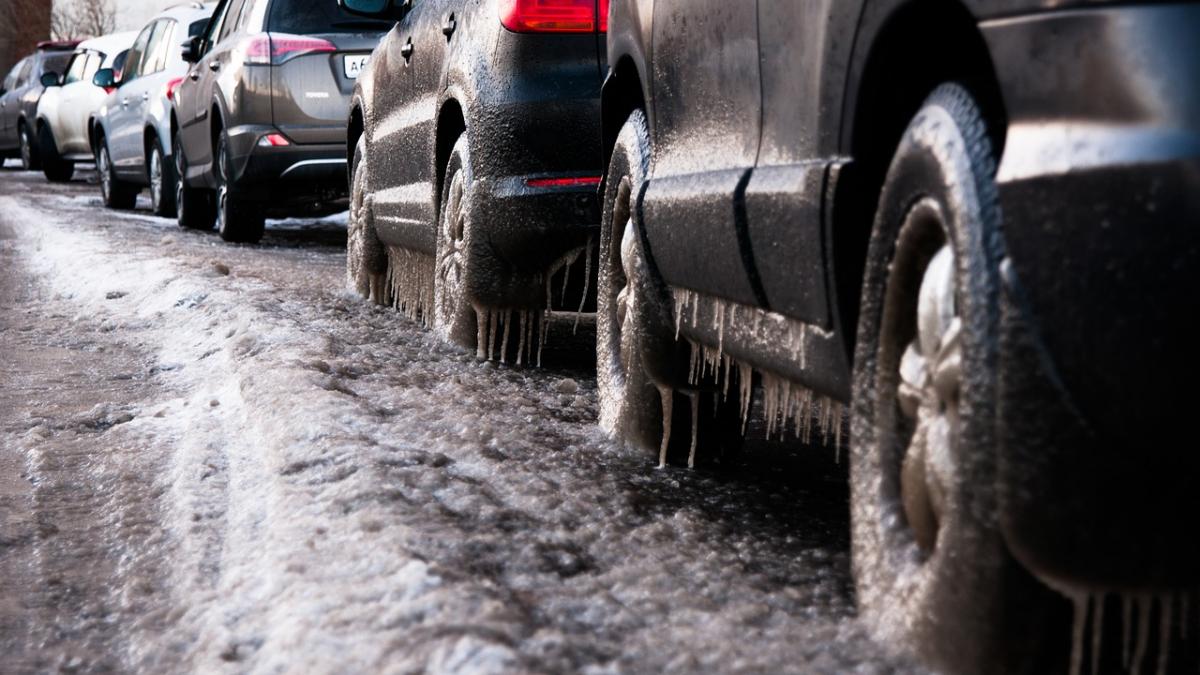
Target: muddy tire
x,y
239,220
161,175
194,207
30,160
366,258
934,577
116,193
630,402
453,314
55,168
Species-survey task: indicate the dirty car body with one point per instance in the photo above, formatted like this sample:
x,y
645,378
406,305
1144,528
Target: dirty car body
x,y
766,171
525,98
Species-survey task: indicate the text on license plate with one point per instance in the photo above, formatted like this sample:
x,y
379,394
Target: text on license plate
x,y
355,63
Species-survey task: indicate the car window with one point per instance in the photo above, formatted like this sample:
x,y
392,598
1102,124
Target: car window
x,y
76,68
118,65
54,63
303,17
23,76
95,59
133,62
153,60
197,28
10,82
215,25
231,20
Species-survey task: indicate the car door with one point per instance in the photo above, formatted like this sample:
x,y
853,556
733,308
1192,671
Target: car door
x,y
196,91
135,100
706,115
8,107
402,142
785,197
124,133
67,132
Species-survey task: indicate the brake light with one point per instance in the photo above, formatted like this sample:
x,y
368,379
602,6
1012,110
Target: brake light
x,y
576,181
275,48
273,141
603,16
171,87
551,16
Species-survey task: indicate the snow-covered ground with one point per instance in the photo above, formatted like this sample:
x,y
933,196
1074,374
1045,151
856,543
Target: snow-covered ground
x,y
215,459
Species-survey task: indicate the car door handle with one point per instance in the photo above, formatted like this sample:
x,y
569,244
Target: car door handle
x,y
407,50
450,26
145,97
125,102
214,66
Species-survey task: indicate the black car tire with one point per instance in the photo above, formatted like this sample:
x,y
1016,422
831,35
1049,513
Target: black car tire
x,y
161,176
194,207
932,571
238,219
116,193
453,314
55,168
366,258
30,160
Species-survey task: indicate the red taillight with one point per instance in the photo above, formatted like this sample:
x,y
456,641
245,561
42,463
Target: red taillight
x,y
275,48
603,16
171,87
109,90
575,181
550,16
273,141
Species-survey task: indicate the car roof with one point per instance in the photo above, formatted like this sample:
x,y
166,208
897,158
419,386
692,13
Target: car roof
x,y
187,12
109,44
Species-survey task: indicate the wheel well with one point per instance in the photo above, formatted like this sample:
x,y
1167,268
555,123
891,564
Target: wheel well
x,y
621,96
450,126
218,125
354,131
149,135
922,45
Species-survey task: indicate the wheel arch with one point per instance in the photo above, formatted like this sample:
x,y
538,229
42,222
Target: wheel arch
x,y
623,93
355,127
903,50
451,125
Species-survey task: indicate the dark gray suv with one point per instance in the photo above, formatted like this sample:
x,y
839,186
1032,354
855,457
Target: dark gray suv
x,y
19,95
259,126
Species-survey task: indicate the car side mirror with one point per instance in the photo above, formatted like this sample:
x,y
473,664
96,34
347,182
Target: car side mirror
x,y
49,79
191,49
105,78
387,10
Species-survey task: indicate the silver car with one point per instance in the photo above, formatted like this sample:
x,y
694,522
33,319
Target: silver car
x,y
131,133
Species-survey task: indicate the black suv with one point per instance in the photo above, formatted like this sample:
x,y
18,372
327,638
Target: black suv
x,y
476,157
19,95
259,125
972,226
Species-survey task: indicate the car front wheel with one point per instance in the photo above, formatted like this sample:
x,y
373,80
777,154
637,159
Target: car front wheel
x,y
162,181
29,154
116,194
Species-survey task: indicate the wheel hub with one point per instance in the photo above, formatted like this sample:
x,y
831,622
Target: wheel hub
x,y
450,266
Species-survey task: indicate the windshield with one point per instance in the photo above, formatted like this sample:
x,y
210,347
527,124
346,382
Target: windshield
x,y
304,17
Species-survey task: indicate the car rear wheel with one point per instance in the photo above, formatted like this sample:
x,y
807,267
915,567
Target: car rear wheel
x,y
454,316
194,208
56,169
933,574
116,193
162,181
238,219
366,259
29,154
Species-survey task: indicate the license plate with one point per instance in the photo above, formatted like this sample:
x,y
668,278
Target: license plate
x,y
355,63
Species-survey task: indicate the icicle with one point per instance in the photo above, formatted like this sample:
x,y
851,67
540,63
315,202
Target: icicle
x,y
1126,629
493,318
719,320
746,386
1164,633
507,319
837,436
695,397
668,403
1097,631
587,284
481,323
544,328
1143,632
521,344
1080,602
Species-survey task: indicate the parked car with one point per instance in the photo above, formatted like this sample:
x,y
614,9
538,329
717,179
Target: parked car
x,y
260,120
475,159
970,225
19,97
130,135
69,103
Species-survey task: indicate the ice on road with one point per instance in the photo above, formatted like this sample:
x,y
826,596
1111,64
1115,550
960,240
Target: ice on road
x,y
216,459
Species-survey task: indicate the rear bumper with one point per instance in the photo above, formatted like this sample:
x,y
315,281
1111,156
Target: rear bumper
x,y
523,231
287,174
1100,191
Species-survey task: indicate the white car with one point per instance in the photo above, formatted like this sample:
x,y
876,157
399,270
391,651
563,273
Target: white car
x,y
69,103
